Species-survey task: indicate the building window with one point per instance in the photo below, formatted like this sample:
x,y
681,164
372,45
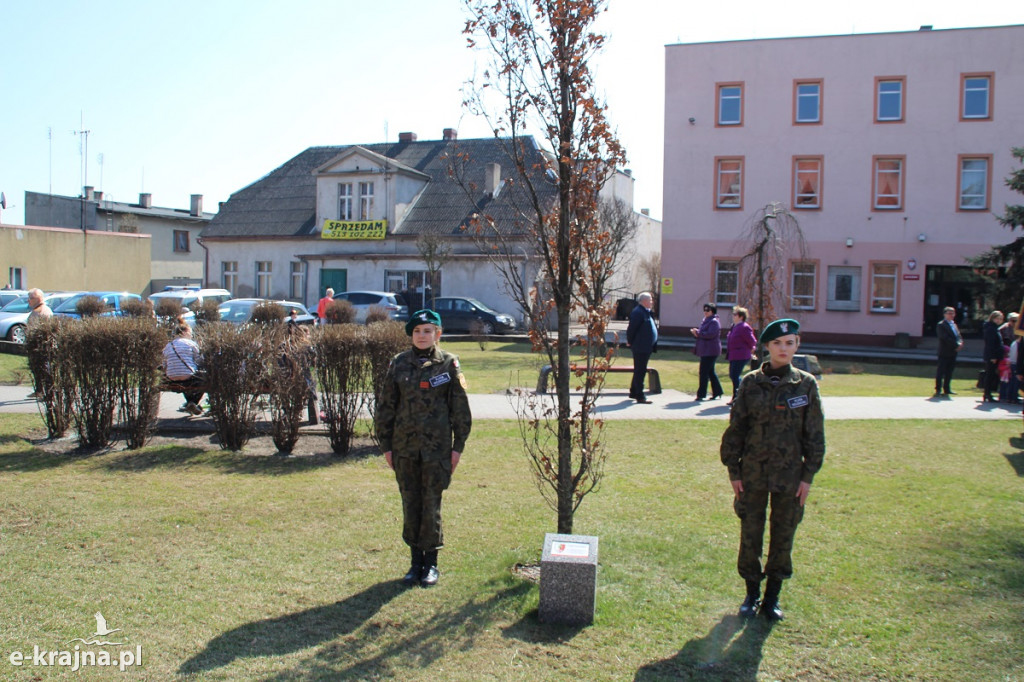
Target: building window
x,y
883,287
16,277
807,172
297,288
366,201
889,99
807,101
229,276
843,288
264,271
974,182
976,96
409,283
727,283
887,183
345,201
729,183
803,284
181,241
730,104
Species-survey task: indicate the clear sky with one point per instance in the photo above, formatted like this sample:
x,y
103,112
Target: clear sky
x,y
207,96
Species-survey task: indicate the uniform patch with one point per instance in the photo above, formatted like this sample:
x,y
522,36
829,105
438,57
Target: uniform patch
x,y
798,401
440,379
462,382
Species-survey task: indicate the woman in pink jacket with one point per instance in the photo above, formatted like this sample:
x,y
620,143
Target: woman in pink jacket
x,y
739,347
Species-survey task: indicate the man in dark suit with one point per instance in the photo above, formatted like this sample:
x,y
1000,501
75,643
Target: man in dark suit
x,y
642,339
950,343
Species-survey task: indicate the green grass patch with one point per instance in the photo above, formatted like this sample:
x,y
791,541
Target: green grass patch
x,y
233,566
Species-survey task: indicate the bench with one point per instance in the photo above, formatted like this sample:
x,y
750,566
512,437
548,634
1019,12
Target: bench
x,y
312,411
653,380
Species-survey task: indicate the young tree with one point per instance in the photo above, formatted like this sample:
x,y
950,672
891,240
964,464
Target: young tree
x,y
435,252
1007,261
540,53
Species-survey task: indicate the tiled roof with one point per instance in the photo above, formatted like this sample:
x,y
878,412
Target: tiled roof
x,y
283,203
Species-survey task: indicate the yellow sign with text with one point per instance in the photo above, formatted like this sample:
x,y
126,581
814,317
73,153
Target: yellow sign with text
x,y
666,285
363,229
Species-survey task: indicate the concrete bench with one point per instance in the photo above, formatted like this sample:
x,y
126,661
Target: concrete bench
x,y
653,380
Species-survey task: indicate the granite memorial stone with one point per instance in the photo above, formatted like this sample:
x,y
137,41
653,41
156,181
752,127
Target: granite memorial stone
x,y
568,579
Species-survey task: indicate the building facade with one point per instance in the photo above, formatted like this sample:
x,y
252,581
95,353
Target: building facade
x,y
889,149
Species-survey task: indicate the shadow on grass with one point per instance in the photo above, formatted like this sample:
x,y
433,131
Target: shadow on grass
x,y
293,632
31,458
722,654
383,651
530,629
1016,460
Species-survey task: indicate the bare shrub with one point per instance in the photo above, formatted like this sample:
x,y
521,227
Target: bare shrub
x,y
384,340
208,311
90,306
168,308
93,355
235,358
133,307
340,311
291,382
267,312
341,371
377,313
50,376
142,340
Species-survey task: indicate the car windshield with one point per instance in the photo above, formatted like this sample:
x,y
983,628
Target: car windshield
x,y
18,305
480,305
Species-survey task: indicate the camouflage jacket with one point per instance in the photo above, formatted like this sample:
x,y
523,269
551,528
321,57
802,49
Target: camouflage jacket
x,y
423,408
776,433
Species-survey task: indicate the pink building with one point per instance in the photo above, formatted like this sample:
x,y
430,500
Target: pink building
x,y
890,149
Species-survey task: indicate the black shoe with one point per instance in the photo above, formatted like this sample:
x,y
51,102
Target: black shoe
x,y
643,401
770,606
698,399
771,612
415,568
430,573
716,396
748,609
949,393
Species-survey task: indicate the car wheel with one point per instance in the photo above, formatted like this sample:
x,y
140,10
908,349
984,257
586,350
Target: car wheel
x,y
487,328
17,333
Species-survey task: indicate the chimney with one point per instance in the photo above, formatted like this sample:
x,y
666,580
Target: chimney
x,y
406,137
926,27
492,179
450,134
98,196
197,205
88,192
146,200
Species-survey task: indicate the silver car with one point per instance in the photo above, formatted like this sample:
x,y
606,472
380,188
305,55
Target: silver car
x,y
14,315
362,301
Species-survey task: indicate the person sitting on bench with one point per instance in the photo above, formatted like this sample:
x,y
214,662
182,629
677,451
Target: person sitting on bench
x,y
181,365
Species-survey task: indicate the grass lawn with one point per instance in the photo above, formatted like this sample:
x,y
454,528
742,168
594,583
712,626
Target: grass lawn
x,y
232,566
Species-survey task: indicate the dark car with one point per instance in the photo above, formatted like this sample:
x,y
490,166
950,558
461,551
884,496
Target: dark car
x,y
460,314
239,310
112,299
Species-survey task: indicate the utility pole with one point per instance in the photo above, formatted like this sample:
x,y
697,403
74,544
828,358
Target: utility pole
x,y
84,152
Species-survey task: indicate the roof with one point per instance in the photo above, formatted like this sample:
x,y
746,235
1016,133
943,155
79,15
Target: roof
x,y
283,202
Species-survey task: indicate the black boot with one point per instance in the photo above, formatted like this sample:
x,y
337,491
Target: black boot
x,y
748,609
430,572
415,568
770,606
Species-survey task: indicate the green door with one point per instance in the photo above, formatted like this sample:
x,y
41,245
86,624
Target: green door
x,y
335,278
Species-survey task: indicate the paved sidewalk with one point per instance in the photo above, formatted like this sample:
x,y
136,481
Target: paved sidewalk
x,y
616,404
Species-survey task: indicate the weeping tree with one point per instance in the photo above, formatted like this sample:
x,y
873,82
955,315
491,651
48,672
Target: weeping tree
x,y
1003,266
435,252
539,79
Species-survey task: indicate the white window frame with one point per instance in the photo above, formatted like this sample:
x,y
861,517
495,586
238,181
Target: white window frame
x,y
798,194
344,201
988,96
723,97
966,185
16,277
876,185
264,278
366,200
733,198
229,275
804,96
799,271
298,280
886,96
723,269
891,274
844,273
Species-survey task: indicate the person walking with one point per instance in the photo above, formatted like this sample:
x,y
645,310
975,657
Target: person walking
x,y
422,423
739,347
708,348
992,355
950,343
321,306
773,447
642,339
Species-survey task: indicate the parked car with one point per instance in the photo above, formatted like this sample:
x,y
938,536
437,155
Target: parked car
x,y
190,296
14,315
8,295
460,314
362,301
112,299
239,310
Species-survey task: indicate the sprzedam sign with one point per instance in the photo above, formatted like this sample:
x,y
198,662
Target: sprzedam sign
x,y
77,658
363,229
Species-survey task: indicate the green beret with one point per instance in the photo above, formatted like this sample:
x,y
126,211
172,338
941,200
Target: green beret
x,y
779,328
422,317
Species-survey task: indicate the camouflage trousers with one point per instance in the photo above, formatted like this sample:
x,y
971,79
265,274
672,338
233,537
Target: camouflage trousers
x,y
421,483
751,506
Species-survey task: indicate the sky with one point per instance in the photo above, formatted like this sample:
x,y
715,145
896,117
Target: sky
x,y
207,96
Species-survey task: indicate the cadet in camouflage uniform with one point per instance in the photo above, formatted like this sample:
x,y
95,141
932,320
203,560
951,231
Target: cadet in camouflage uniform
x,y
773,446
422,423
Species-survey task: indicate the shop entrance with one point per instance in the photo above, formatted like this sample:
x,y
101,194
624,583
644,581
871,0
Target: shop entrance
x,y
956,286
